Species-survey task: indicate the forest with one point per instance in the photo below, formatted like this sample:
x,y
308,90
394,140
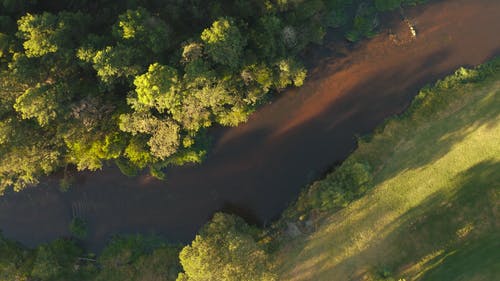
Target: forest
x,y
138,83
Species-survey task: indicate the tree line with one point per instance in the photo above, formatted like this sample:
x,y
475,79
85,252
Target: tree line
x,y
139,82
225,249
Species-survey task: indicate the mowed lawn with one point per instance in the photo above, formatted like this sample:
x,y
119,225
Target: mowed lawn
x,y
434,210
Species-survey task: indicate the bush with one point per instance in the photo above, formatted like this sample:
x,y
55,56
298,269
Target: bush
x,y
339,188
431,98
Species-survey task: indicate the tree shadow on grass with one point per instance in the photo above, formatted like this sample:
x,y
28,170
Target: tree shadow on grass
x,y
451,222
447,226
476,260
452,235
444,131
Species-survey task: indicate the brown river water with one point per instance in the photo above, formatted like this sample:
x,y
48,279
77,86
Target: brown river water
x,y
258,168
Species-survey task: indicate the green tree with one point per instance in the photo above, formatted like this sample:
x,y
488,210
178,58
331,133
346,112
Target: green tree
x,y
25,72
40,103
192,51
138,258
139,38
224,42
88,83
203,102
56,260
89,152
164,134
48,33
291,72
10,89
165,140
226,249
15,260
16,6
138,153
160,265
118,61
138,122
140,27
40,34
364,24
26,158
267,37
158,88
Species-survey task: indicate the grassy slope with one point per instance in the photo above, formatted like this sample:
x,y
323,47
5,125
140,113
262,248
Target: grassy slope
x,y
434,210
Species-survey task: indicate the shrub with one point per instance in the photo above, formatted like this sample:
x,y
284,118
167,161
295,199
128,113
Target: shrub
x,y
338,189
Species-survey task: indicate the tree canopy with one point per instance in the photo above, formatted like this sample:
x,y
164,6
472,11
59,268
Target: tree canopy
x,y
226,249
139,82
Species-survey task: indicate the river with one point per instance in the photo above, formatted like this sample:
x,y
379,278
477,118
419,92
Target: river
x,y
258,168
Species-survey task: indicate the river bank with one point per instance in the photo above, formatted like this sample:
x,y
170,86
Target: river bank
x,y
258,168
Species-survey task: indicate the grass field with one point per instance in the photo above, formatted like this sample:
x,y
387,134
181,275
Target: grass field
x,y
433,209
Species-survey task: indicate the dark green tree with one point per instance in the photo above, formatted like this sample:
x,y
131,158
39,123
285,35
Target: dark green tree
x,y
56,260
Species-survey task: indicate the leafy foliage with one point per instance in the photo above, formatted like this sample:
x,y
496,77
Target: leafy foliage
x,y
339,188
138,258
55,261
48,33
124,258
139,82
224,42
226,249
15,260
